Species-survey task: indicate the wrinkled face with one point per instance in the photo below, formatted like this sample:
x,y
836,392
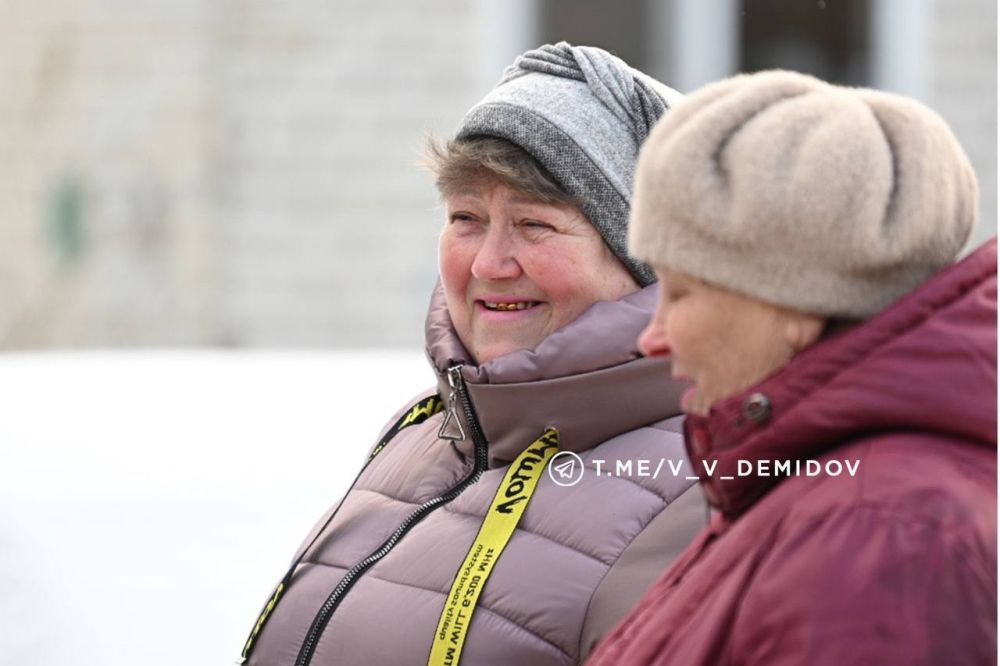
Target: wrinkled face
x,y
721,341
515,269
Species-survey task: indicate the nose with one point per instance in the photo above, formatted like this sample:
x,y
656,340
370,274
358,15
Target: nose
x,y
653,339
495,259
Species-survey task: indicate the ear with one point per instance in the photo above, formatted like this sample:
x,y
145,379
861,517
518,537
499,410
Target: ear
x,y
803,330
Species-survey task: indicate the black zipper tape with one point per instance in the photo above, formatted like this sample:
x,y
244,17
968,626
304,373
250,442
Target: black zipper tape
x,y
418,413
326,611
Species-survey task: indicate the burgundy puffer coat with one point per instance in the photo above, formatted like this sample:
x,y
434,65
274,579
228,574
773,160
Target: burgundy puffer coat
x,y
372,587
895,564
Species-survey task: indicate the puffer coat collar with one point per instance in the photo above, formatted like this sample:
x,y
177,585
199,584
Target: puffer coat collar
x,y
587,379
927,363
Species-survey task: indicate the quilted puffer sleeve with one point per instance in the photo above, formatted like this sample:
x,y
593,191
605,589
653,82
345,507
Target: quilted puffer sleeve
x,y
641,564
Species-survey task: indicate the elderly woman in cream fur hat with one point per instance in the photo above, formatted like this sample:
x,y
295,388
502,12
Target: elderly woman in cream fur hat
x,y
842,409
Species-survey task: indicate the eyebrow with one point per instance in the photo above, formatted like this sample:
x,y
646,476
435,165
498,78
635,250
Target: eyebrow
x,y
470,194
527,200
515,200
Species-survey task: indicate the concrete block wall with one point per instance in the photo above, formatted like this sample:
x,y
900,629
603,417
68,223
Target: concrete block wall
x,y
242,172
962,87
330,229
238,173
103,208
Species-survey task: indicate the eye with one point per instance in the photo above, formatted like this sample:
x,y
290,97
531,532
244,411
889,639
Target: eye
x,y
673,292
537,225
464,221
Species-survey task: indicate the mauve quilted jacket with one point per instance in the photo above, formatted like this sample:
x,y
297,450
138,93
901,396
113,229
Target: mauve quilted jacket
x,y
894,565
581,557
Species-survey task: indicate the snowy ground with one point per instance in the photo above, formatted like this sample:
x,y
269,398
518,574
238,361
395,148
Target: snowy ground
x,y
149,501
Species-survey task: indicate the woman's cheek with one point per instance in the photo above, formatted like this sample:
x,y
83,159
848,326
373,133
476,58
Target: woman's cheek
x,y
552,276
453,261
678,329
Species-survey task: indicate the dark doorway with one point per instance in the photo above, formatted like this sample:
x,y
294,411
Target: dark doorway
x,y
617,27
826,38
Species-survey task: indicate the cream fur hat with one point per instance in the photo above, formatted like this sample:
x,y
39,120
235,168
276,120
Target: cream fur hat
x,y
828,200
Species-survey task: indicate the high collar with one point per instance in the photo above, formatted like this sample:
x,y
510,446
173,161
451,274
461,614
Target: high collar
x,y
587,379
926,364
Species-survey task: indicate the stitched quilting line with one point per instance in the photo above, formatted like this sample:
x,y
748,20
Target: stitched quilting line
x,y
664,500
641,487
593,592
445,593
479,518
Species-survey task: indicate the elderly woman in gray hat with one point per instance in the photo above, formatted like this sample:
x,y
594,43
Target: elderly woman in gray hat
x,y
497,521
843,410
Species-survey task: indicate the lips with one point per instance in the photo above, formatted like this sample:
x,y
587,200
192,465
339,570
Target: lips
x,y
505,303
509,306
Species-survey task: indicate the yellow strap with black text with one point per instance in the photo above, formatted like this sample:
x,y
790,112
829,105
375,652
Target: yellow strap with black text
x,y
505,512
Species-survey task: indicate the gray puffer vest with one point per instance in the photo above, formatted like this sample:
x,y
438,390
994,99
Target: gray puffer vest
x,y
370,583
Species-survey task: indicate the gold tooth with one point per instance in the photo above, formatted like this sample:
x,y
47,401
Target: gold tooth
x,y
507,307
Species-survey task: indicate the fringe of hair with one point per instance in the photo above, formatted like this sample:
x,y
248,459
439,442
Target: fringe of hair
x,y
467,165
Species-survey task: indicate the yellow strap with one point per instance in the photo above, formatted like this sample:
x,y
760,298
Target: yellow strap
x,y
509,503
264,614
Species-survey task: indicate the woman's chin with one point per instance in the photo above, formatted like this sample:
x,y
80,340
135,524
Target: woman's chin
x,y
691,403
489,352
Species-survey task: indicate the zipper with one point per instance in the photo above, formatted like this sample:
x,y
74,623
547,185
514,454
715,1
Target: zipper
x,y
458,396
418,413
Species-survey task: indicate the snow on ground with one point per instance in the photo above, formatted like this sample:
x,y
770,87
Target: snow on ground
x,y
149,501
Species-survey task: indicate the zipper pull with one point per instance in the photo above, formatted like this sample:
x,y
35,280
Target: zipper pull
x,y
452,427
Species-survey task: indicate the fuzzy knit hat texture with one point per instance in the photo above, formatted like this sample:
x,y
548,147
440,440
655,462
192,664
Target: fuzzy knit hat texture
x,y
824,199
583,114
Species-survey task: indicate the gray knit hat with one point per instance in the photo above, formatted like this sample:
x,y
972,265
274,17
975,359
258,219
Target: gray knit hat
x,y
828,200
583,114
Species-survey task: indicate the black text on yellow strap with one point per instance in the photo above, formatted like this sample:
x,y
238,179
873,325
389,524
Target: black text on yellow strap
x,y
509,503
419,413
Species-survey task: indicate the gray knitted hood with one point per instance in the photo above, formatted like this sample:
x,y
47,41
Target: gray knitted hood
x,y
583,114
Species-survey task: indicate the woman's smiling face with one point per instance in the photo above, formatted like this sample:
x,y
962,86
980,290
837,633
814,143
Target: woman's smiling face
x,y
515,269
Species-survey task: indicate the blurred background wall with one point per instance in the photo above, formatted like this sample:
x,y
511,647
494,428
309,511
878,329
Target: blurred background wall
x,y
242,173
